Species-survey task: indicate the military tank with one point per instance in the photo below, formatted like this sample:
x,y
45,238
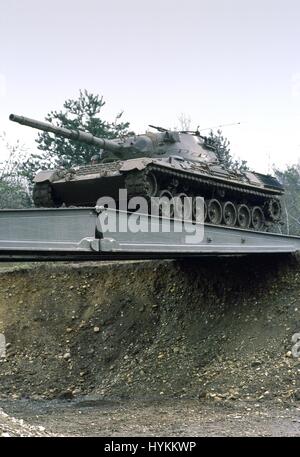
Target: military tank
x,y
160,163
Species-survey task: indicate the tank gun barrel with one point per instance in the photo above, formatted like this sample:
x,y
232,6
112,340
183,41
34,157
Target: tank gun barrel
x,y
77,135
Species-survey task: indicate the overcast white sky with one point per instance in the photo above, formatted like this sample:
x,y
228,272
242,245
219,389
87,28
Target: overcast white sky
x,y
218,61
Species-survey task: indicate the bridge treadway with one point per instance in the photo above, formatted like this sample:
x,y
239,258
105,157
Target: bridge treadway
x,y
101,234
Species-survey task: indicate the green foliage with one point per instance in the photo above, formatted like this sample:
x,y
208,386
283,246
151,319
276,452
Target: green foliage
x,y
83,114
14,191
290,179
13,196
222,148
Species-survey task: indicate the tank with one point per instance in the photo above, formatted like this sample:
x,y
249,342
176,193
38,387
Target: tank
x,y
160,163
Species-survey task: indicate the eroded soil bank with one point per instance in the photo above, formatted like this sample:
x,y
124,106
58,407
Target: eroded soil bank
x,y
213,329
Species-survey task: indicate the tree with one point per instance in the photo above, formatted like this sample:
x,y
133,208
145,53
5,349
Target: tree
x,y
184,122
222,148
14,191
290,179
84,114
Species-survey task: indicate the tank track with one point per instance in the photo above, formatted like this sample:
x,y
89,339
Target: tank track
x,y
210,181
136,184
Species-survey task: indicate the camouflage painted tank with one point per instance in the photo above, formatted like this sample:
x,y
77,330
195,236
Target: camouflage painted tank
x,y
163,163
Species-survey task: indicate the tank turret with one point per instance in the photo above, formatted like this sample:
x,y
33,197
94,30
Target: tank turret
x,y
162,143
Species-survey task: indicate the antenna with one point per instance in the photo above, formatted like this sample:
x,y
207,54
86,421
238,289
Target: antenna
x,y
160,129
219,126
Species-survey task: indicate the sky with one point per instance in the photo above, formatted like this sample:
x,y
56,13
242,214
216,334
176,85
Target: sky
x,y
217,61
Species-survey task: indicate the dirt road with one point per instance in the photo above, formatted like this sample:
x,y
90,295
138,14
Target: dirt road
x,y
168,418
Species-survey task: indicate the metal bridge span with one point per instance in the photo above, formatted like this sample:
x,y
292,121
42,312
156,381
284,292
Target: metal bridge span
x,y
82,234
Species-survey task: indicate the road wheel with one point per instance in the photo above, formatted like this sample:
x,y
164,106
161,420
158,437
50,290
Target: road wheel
x,y
183,206
151,185
229,214
258,218
197,216
166,203
244,216
214,211
273,210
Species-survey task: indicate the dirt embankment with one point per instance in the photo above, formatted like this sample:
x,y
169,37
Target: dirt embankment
x,y
211,328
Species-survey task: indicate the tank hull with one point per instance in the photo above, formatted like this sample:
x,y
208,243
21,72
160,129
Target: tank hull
x,y
85,185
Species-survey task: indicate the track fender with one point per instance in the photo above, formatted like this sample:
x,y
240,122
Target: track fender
x,y
42,176
135,164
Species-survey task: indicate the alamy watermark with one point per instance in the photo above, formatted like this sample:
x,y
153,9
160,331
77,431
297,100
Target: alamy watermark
x,y
2,346
296,347
178,214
